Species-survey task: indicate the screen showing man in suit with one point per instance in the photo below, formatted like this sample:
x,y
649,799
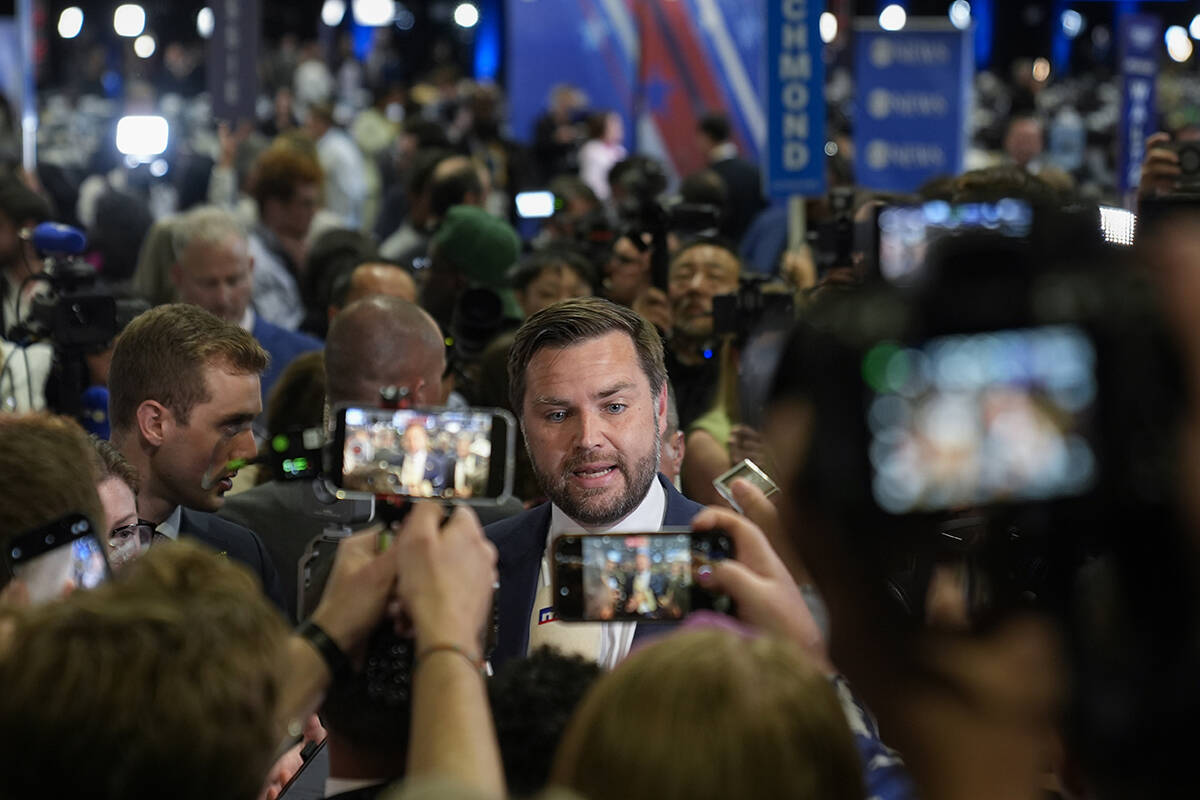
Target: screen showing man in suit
x,y
636,577
443,455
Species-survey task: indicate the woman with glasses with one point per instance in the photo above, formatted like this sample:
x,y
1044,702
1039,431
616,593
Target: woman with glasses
x,y
128,537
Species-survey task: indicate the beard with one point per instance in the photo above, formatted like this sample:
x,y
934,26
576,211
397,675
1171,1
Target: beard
x,y
601,506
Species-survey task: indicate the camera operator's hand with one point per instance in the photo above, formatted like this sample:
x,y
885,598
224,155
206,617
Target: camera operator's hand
x,y
798,268
357,592
1160,167
653,304
447,571
765,591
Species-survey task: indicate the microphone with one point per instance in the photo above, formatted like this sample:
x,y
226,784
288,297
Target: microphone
x,y
52,237
94,414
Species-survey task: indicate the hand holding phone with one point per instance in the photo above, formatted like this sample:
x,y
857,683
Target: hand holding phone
x,y
56,559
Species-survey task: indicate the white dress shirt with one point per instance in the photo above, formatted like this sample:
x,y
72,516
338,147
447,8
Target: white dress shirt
x,y
169,527
607,642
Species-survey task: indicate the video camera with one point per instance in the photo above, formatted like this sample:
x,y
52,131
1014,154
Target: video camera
x,y
1012,382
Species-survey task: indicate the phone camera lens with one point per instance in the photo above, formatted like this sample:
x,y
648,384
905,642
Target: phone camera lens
x,y
16,553
49,538
564,591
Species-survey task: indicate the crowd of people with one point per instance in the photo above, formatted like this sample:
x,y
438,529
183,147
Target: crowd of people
x,y
917,609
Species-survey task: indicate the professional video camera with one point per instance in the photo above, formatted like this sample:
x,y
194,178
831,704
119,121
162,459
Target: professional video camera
x,y
78,316
1002,381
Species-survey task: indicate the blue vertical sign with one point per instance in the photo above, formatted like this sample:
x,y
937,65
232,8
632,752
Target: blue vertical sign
x,y
914,91
1138,41
795,98
233,58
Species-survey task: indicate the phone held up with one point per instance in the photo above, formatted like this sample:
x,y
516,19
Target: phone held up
x,y
643,577
57,558
438,454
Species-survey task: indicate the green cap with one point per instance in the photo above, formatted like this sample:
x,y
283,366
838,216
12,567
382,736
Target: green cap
x,y
482,247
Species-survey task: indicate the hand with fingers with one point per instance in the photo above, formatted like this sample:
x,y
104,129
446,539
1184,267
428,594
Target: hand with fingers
x,y
765,591
1160,167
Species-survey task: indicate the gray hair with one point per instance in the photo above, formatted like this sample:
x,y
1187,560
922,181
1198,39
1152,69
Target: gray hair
x,y
206,225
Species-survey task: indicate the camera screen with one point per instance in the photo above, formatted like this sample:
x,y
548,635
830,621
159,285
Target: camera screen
x,y
976,419
76,564
442,455
907,232
637,577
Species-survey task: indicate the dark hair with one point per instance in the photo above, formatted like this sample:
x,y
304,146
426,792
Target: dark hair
x,y
704,187
20,203
450,189
715,125
427,133
424,162
162,355
574,321
532,265
533,698
595,123
719,242
572,186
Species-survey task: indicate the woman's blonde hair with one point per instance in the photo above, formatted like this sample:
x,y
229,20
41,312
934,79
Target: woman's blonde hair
x,y
709,714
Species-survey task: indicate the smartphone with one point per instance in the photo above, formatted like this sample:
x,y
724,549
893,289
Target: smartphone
x,y
907,232
746,470
645,577
58,558
425,453
970,420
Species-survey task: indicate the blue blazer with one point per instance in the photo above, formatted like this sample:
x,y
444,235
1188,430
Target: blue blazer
x,y
521,541
283,346
240,544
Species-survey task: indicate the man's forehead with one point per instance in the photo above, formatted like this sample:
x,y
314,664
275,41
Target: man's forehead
x,y
608,359
705,255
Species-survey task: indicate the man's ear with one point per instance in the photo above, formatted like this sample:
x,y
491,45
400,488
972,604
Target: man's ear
x,y
153,421
662,411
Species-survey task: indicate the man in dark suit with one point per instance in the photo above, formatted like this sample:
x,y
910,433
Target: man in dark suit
x,y
213,269
183,391
743,180
588,381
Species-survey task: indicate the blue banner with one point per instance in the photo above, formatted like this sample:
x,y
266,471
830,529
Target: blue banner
x,y
1138,40
914,92
233,59
795,98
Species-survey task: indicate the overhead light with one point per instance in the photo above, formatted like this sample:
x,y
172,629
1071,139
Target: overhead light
x,y
374,13
144,46
1179,45
1193,29
333,12
1072,23
205,22
960,14
70,22
829,26
129,20
142,136
1041,70
466,15
158,167
893,18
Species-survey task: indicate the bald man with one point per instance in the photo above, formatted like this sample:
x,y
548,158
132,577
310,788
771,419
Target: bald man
x,y
370,279
376,342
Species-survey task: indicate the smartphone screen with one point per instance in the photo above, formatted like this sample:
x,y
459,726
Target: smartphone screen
x,y
967,420
58,558
648,577
459,455
907,232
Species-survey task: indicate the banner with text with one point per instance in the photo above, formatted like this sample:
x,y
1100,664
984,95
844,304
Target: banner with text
x,y
233,58
795,98
1138,44
914,95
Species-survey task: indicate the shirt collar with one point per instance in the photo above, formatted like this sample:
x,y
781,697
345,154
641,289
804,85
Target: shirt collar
x,y
723,152
246,323
648,516
169,527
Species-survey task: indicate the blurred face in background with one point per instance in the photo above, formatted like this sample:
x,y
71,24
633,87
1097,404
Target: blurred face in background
x,y
216,277
698,275
552,285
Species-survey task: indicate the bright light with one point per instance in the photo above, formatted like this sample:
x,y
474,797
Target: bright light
x,y
466,15
129,20
1117,225
205,22
1179,46
142,136
1041,70
1193,29
1072,23
158,167
374,13
893,17
829,26
144,45
70,22
332,12
960,14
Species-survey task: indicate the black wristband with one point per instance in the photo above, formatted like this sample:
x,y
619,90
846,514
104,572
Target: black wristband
x,y
331,654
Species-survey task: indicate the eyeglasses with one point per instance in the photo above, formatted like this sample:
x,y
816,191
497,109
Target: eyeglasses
x,y
128,542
